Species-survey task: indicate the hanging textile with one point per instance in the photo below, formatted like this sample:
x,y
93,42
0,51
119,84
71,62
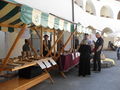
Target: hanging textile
x,y
9,15
51,21
26,14
44,19
56,23
14,15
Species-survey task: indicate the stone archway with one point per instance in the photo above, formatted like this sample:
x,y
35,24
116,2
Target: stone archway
x,y
106,11
105,33
90,8
92,28
107,30
79,3
118,17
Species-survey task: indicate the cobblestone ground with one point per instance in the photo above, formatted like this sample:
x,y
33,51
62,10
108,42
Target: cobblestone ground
x,y
107,79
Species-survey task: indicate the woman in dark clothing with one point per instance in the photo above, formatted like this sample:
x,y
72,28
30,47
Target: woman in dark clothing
x,y
85,56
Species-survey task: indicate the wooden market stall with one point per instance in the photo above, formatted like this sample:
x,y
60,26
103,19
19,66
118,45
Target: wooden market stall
x,y
14,16
70,60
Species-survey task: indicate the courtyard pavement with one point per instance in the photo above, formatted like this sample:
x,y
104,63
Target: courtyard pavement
x,y
107,79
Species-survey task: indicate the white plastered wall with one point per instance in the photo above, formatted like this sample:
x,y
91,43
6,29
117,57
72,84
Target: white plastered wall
x,y
2,44
10,38
65,37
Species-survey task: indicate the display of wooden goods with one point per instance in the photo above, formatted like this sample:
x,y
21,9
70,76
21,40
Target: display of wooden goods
x,y
19,64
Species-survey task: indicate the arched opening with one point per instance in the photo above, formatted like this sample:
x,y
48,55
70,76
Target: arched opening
x,y
90,8
107,30
79,3
106,11
118,17
91,27
106,36
93,31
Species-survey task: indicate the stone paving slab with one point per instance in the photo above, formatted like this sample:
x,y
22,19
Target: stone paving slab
x,y
107,79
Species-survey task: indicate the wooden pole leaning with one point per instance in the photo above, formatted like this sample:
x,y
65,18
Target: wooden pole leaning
x,y
40,38
38,33
14,45
55,44
62,50
33,49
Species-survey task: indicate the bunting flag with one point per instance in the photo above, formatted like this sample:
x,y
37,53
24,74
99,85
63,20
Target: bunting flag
x,y
36,17
61,25
46,20
14,14
79,28
72,27
51,21
56,23
82,29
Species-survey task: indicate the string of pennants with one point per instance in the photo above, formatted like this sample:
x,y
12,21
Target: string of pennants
x,y
82,29
20,15
46,20
27,15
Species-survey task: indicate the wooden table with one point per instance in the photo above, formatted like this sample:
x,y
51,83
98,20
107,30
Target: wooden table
x,y
22,83
66,62
10,68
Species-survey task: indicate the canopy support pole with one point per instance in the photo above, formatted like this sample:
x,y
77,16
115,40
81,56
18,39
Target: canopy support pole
x,y
40,37
62,50
55,44
33,49
41,41
37,33
14,45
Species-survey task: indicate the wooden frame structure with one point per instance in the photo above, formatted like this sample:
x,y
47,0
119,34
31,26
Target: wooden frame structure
x,y
25,84
46,75
55,41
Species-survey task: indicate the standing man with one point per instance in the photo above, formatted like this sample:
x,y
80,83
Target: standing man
x,y
98,49
46,45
